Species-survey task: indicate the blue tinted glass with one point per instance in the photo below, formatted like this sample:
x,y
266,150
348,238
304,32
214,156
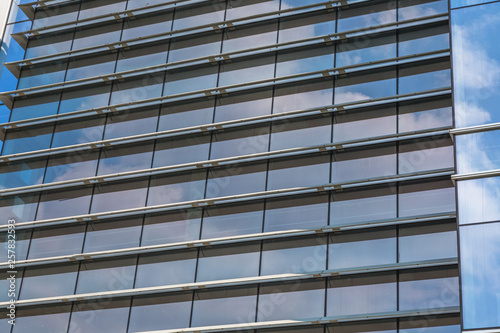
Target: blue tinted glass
x,y
102,236
84,99
117,196
476,70
27,140
64,203
131,123
478,151
49,281
71,166
35,107
17,174
171,227
102,276
78,132
106,317
178,188
166,269
480,268
52,242
46,319
478,200
232,220
462,3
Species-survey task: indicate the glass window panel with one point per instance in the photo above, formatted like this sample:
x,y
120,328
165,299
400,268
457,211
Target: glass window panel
x,y
478,200
93,8
366,49
39,282
44,319
357,249
39,75
296,300
200,15
23,238
244,105
427,242
166,268
178,188
237,9
425,155
360,87
25,140
76,132
178,151
292,330
366,15
186,114
23,173
61,13
56,241
153,313
228,262
228,181
131,123
126,158
479,269
142,56
71,166
426,198
425,115
100,317
147,25
435,289
98,35
424,77
132,4
380,326
172,227
442,324
304,96
92,66
359,164
106,275
303,172
84,98
181,81
298,255
50,44
366,123
189,48
365,205
5,279
34,107
478,151
306,26
232,220
132,90
247,70
22,208
250,37
303,61
240,142
361,295
424,40
299,213
64,203
408,9
118,196
119,234
228,306
301,133
285,4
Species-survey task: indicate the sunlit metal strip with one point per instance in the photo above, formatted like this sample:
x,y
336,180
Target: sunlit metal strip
x,y
440,55
413,314
427,175
476,175
209,242
23,37
186,287
475,129
291,152
15,67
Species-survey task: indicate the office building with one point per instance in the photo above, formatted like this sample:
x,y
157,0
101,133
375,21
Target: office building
x,y
250,165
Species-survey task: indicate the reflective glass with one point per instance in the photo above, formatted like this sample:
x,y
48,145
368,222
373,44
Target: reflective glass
x,y
228,181
45,319
125,158
148,86
425,155
111,235
307,26
22,243
228,306
303,61
379,326
240,142
92,66
49,44
19,207
294,300
182,81
298,213
478,200
424,40
424,77
179,151
34,107
131,123
106,275
204,45
228,262
147,25
186,114
52,241
39,282
461,3
247,70
27,140
428,114
361,295
366,49
166,268
409,9
301,133
140,57
480,268
426,198
360,87
250,36
64,203
118,196
224,221
171,227
304,96
84,98
17,174
32,76
365,16
200,15
100,317
177,188
297,255
357,249
237,9
98,35
478,151
76,132
244,105
442,324
100,7
370,204
71,166
61,13
298,172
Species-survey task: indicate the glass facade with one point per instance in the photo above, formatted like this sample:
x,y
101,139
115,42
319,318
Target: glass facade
x,y
257,165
